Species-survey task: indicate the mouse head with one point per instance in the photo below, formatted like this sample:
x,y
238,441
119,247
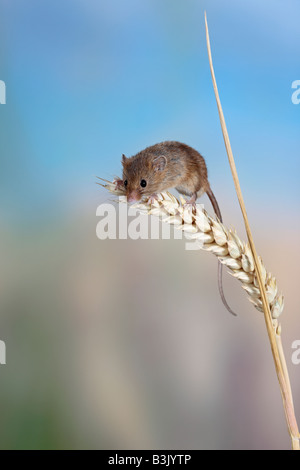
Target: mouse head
x,y
142,175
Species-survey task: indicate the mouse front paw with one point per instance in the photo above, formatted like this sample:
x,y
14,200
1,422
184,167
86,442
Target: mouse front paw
x,y
119,184
153,199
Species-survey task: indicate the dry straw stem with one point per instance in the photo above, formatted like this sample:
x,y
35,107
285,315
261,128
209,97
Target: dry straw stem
x,y
274,334
212,236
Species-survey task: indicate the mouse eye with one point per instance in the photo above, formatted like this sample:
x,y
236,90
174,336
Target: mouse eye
x,y
125,183
143,183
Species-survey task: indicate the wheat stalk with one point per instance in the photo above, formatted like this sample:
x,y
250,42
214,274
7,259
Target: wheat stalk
x,y
211,235
274,334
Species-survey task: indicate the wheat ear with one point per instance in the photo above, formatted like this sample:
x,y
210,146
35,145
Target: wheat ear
x,y
212,236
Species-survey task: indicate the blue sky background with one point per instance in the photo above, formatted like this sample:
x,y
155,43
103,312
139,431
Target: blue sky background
x,y
89,80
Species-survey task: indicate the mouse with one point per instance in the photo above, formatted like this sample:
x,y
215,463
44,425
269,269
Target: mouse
x,y
167,165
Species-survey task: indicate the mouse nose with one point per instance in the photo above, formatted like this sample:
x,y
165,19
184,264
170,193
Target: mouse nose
x,y
133,196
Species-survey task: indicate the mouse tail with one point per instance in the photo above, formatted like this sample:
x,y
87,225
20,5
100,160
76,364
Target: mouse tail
x,y
216,208
220,284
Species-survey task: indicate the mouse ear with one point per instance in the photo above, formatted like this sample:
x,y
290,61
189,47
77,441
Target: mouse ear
x,y
159,163
124,159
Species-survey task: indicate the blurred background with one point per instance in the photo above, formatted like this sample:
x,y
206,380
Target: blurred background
x,y
118,344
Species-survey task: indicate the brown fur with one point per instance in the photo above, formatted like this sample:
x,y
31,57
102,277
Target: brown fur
x,y
167,165
184,169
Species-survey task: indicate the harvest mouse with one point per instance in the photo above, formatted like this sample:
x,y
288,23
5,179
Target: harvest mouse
x,y
169,165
